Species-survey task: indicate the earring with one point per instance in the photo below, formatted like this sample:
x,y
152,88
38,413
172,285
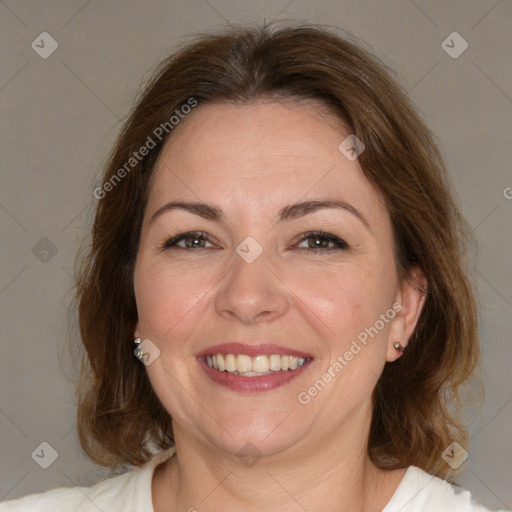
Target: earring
x,y
398,347
138,349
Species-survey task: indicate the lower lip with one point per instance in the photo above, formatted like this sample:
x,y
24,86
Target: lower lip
x,y
252,384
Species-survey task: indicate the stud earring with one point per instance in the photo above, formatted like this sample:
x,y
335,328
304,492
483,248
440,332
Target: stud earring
x,y
138,348
398,347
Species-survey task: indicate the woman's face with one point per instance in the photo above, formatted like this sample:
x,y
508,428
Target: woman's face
x,y
254,183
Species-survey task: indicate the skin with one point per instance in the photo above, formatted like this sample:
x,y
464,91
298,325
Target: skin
x,y
250,161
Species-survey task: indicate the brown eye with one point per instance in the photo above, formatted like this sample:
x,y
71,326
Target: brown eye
x,y
194,241
318,242
321,241
188,241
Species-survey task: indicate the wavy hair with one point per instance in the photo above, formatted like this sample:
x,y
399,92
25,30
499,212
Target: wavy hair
x,y
418,398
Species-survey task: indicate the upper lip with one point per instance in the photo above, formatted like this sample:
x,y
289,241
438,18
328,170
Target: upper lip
x,y
252,349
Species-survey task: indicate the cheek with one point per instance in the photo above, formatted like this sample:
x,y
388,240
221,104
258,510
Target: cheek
x,y
347,301
166,297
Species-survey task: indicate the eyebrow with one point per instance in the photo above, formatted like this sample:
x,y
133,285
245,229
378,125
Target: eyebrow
x,y
290,212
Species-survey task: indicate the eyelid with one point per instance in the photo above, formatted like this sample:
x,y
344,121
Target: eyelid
x,y
168,243
340,243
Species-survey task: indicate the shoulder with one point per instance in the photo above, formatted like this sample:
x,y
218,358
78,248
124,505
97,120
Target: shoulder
x,y
421,492
129,491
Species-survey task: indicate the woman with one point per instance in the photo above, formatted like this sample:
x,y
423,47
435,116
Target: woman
x,y
276,232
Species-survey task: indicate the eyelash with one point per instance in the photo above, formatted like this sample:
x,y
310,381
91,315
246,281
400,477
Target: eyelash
x,y
339,243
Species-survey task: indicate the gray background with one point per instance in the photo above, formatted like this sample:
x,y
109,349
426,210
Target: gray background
x,y
60,115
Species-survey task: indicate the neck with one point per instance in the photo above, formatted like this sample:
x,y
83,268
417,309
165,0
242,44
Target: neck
x,y
336,475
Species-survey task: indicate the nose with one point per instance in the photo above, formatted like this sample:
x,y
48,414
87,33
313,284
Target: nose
x,y
252,292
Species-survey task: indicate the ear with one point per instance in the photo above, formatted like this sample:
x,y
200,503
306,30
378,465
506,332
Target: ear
x,y
411,296
136,332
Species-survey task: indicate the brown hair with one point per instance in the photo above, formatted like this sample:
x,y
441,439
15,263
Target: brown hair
x,y
119,416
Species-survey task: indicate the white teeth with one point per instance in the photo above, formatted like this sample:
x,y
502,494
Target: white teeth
x,y
260,364
275,362
253,374
230,363
248,366
243,363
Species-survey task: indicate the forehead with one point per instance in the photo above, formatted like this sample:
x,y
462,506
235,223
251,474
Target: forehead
x,y
260,156
262,131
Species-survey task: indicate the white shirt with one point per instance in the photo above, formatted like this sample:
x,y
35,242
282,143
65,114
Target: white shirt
x,y
131,492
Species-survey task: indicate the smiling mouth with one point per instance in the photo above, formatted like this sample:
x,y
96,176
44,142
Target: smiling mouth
x,y
247,366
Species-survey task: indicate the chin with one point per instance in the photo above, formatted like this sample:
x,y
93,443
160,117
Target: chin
x,y
254,433
256,444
